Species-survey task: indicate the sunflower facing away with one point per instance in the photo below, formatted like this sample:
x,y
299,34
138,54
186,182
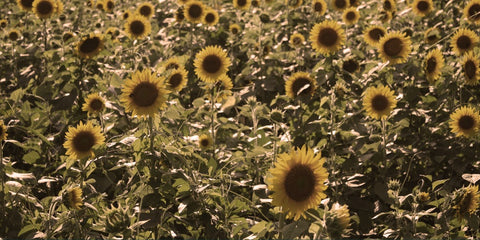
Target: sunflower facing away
x,y
82,139
242,4
463,41
194,11
471,68
223,87
138,27
90,46
464,121
300,84
394,47
211,17
144,94
337,220
472,11
379,101
432,35
94,104
210,63
297,40
234,28
177,80
319,6
3,131
434,63
372,35
468,203
422,7
26,5
145,9
340,5
297,181
74,196
327,37
205,141
350,16
44,8
293,3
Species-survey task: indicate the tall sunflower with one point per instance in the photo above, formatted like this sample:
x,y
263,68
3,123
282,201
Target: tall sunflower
x,y
90,46
433,65
463,41
74,196
126,14
177,80
94,104
389,5
26,5
44,8
108,6
13,34
81,140
3,131
372,34
205,141
468,202
297,181
327,37
293,3
172,63
465,121
379,101
394,47
472,11
145,9
471,68
297,40
99,5
144,94
432,35
242,4
138,27
319,6
350,16
340,5
422,7
234,28
300,84
223,87
210,63
194,11
211,17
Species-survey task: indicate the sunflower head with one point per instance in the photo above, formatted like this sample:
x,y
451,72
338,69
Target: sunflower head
x,y
472,11
172,64
3,23
319,6
433,65
297,40
126,14
94,104
355,3
67,36
90,46
422,197
59,9
327,37
74,197
108,5
205,141
373,34
255,3
389,5
179,15
99,5
432,35
351,65
13,35
194,11
394,47
464,40
81,140
293,3
340,5
379,101
297,181
211,17
113,32
144,94
422,7
223,88
211,63
145,9
235,29
242,4
471,68
26,5
465,121
350,16
3,131
300,84
138,27
177,80
385,16
469,198
337,220
44,8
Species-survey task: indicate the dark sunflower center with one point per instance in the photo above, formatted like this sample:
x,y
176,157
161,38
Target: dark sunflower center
x,y
83,141
379,103
351,16
210,18
195,11
432,38
470,69
100,6
144,94
110,5
3,24
234,30
171,66
45,7
255,3
466,122
376,34
137,27
300,183
175,80
393,47
464,42
350,65
423,6
328,37
241,3
474,12
145,11
96,104
125,15
353,2
318,7
90,45
340,4
212,63
301,86
387,5
13,36
204,142
431,65
27,3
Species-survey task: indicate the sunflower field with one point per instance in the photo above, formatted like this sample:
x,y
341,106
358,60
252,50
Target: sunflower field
x,y
239,119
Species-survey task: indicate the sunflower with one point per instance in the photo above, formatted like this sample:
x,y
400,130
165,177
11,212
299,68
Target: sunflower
x,y
3,23
211,63
172,63
385,16
472,11
177,80
379,101
113,32
255,3
99,5
350,16
463,41
90,3
422,7
194,11
126,14
354,3
205,141
67,36
60,7
138,27
350,65
3,131
300,84
145,9
340,4
26,5
394,47
319,6
434,63
44,8
94,104
223,87
108,5
242,4
468,203
293,3
179,15
82,139
465,121
422,197
471,68
327,37
372,35
297,40
13,34
389,5
74,196
297,181
432,35
337,220
235,28
90,46
211,17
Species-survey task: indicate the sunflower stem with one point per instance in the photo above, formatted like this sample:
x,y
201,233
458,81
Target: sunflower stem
x,y
213,121
152,136
384,142
2,194
332,140
281,223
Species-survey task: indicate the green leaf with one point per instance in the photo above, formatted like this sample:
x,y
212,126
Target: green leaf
x,y
438,183
28,229
31,157
293,230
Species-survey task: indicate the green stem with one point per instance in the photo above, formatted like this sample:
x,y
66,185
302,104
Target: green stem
x,y
213,122
280,225
152,136
2,194
384,142
332,163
